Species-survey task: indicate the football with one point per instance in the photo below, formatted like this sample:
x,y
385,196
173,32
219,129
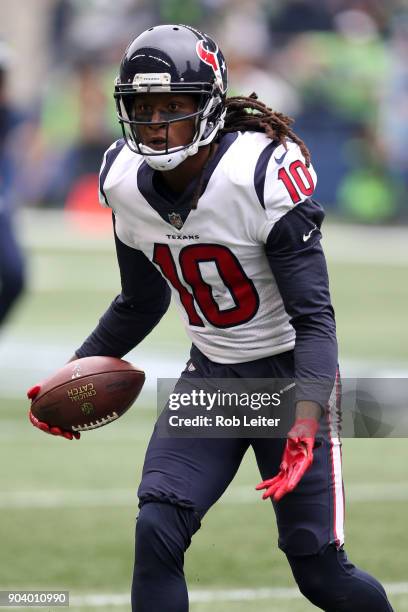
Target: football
x,y
88,393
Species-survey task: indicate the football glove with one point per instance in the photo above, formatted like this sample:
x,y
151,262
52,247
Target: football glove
x,y
53,431
297,459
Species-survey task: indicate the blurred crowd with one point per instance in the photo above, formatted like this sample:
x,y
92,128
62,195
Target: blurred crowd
x,y
338,67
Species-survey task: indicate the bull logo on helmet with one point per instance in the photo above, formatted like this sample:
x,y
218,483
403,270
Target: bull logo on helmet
x,y
211,59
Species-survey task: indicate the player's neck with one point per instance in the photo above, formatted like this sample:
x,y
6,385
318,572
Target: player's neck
x,y
179,178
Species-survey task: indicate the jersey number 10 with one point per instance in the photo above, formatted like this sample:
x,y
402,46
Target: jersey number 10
x,y
298,179
240,287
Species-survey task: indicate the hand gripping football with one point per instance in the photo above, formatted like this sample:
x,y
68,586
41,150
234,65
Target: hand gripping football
x,y
88,393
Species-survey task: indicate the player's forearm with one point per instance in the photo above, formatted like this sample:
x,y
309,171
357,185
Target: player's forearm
x,y
316,358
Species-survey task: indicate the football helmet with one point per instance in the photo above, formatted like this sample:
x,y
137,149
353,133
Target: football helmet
x,y
172,58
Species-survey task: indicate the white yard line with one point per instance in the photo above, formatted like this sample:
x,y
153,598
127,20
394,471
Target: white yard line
x,y
355,493
52,230
217,595
109,600
22,361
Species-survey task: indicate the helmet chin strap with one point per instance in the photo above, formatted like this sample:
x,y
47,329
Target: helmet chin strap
x,y
169,160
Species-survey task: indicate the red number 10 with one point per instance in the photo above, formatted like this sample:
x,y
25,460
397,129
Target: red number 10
x,y
240,287
302,180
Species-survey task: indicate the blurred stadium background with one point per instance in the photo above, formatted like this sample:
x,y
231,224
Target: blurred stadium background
x,y
67,510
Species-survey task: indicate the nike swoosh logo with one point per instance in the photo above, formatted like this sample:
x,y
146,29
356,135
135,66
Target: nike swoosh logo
x,y
279,160
307,236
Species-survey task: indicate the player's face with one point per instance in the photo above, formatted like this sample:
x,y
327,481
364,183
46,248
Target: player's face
x,y
164,107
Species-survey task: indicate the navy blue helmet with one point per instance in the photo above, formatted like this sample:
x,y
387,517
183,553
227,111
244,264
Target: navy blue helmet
x,y
179,59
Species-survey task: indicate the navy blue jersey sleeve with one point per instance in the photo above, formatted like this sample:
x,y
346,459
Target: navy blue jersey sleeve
x,y
143,301
298,264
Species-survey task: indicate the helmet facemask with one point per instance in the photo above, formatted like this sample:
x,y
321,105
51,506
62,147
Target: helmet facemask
x,y
208,119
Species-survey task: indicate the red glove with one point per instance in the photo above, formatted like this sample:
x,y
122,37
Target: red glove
x,y
54,431
297,459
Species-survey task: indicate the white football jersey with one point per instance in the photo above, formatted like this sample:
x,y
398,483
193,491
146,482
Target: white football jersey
x,y
215,261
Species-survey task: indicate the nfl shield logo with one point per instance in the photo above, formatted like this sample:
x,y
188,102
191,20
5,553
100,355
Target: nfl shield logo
x,y
176,220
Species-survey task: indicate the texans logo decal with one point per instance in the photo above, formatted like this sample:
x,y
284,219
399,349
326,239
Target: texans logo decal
x,y
210,58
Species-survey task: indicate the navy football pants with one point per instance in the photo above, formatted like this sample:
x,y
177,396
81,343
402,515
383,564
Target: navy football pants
x,y
183,477
11,267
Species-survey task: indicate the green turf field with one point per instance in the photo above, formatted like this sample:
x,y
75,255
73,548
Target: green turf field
x,y
67,509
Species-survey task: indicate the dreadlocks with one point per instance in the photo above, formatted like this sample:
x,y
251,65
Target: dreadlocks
x,y
250,114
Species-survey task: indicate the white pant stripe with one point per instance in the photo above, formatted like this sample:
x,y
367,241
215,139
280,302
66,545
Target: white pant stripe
x,y
336,461
338,491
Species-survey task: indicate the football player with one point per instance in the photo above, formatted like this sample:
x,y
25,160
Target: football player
x,y
12,273
211,200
